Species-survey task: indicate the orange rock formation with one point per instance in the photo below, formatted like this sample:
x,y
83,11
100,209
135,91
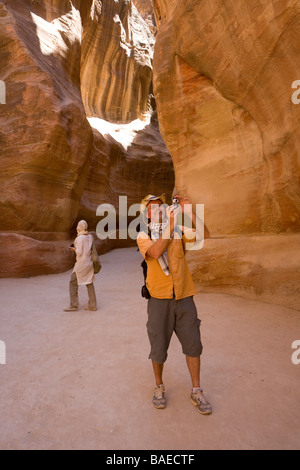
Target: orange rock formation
x,y
79,129
64,62
228,68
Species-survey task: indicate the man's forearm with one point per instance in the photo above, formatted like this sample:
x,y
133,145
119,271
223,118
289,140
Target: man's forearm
x,y
160,246
196,221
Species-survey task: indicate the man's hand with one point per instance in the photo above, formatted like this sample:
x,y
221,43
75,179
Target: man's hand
x,y
158,247
185,205
187,210
171,214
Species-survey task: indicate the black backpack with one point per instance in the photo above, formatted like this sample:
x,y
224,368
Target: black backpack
x,y
145,293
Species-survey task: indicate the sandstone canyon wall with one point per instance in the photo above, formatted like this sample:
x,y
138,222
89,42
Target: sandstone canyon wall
x,y
78,75
79,129
227,68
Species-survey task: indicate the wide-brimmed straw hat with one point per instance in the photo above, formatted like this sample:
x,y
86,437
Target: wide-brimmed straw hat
x,y
151,197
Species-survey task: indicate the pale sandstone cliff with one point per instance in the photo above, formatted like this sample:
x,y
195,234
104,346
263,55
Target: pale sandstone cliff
x,y
116,64
145,8
228,68
55,167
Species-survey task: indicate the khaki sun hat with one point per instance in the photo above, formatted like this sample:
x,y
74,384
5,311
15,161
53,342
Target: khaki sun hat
x,y
151,197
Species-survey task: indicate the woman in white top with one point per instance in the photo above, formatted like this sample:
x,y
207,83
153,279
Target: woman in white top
x,y
83,272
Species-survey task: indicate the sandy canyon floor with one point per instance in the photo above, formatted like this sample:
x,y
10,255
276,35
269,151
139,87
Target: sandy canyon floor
x,y
83,380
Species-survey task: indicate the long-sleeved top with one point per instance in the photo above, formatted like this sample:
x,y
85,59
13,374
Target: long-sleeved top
x,y
84,268
179,280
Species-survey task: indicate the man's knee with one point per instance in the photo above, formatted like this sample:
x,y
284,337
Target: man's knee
x,y
159,357
190,339
159,342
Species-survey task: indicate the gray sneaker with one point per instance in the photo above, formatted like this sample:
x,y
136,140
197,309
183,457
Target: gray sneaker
x,y
202,404
159,399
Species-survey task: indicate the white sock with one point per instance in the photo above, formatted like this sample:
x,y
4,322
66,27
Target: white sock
x,y
196,388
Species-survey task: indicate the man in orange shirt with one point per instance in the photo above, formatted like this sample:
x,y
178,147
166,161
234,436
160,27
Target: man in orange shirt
x,y
171,307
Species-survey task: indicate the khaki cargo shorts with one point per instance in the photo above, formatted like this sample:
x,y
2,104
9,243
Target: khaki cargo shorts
x,y
168,315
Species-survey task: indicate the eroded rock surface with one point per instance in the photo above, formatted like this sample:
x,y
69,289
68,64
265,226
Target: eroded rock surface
x,y
116,66
64,62
228,68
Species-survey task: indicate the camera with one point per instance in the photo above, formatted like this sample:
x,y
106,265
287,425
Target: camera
x,y
175,201
72,246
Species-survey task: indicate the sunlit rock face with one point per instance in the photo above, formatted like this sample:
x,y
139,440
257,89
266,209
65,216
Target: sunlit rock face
x,y
45,137
129,157
116,66
128,160
145,9
55,166
228,69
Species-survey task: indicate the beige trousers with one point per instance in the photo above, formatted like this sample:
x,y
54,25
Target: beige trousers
x,y
74,293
